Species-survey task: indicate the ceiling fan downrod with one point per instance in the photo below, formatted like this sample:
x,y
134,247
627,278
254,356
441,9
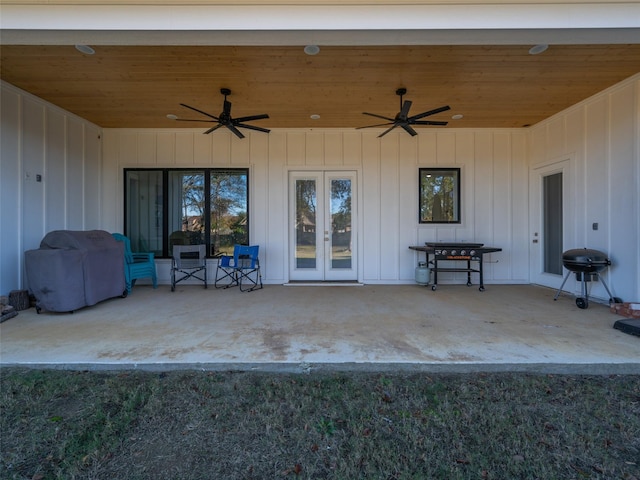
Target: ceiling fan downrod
x,y
401,91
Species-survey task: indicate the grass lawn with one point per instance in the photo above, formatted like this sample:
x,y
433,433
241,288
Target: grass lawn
x,y
237,425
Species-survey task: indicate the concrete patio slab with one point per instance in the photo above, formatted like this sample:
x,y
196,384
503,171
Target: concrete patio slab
x,y
456,328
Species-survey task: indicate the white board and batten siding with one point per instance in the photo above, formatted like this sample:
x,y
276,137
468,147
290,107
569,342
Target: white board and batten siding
x,y
494,209
50,174
81,168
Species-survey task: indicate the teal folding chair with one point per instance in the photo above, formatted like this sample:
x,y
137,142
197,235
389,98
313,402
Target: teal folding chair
x,y
137,264
240,270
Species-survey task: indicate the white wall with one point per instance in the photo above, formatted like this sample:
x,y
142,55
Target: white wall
x,y
602,137
494,193
82,185
37,138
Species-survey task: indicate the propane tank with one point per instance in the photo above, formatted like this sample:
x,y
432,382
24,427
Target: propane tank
x,y
423,274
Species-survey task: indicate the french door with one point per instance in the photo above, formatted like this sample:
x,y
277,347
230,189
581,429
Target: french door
x,y
322,226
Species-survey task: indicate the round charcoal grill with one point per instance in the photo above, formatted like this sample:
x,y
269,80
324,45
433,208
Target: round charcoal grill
x,y
585,260
587,265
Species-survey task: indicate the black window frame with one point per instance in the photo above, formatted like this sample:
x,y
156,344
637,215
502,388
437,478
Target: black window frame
x,y
207,171
422,193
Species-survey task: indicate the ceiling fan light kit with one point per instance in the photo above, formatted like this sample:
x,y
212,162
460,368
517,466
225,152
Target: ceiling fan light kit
x,y
225,119
402,118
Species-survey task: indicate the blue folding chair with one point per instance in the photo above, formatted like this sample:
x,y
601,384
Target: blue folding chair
x,y
137,264
240,270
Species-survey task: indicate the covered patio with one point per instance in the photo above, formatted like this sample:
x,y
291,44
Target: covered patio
x,y
304,328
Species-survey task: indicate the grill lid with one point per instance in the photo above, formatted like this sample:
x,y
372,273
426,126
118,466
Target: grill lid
x,y
585,260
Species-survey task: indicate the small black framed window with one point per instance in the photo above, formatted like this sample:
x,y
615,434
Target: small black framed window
x,y
439,195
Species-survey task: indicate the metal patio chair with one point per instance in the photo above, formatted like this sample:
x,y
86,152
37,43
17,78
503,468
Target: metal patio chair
x,y
137,264
188,261
240,270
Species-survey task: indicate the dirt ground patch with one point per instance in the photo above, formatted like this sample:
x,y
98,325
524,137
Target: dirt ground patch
x,y
240,425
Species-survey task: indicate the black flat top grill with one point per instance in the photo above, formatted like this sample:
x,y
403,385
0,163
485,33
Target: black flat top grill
x,y
452,251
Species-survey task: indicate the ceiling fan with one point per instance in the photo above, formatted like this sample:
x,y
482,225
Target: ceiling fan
x,y
225,119
403,119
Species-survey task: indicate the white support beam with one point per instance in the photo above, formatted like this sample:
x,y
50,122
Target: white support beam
x,y
497,23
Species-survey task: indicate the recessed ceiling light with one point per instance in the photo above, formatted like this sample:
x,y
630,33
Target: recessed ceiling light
x,y
172,116
315,116
312,49
536,49
86,49
457,116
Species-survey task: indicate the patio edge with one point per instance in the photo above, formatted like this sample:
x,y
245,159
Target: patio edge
x,y
307,368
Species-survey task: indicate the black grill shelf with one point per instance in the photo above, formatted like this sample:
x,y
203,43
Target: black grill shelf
x,y
449,269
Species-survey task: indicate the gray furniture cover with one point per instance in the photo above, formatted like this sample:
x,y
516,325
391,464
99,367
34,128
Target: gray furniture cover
x,y
74,269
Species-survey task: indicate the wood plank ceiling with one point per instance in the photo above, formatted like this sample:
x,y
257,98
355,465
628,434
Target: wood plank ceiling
x,y
491,86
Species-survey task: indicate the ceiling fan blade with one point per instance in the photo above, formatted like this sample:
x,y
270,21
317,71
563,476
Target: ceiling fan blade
x,y
213,128
251,127
236,132
249,118
193,120
379,116
199,111
428,122
227,107
409,130
388,130
405,109
430,112
378,125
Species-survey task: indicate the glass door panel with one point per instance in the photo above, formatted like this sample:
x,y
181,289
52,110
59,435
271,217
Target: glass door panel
x,y
552,223
340,212
306,201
